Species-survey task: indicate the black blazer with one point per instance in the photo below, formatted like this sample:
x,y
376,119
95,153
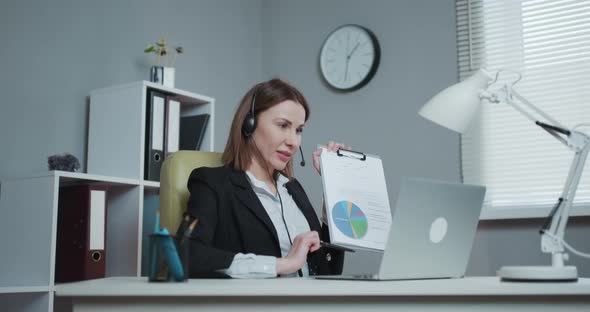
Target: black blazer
x,y
232,220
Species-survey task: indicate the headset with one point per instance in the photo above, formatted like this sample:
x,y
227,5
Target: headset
x,y
249,124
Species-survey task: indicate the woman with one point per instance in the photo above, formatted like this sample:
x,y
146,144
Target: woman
x,y
255,219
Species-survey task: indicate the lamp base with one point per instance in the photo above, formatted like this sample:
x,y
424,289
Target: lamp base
x,y
538,273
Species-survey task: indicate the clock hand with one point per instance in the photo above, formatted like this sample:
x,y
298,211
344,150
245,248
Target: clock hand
x,y
346,69
353,49
348,59
347,40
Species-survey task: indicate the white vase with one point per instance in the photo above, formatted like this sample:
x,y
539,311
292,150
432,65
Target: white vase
x,y
163,75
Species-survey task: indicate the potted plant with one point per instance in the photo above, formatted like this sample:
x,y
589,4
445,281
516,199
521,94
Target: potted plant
x,y
163,71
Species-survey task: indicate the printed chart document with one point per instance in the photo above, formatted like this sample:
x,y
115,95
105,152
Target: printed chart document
x,y
357,204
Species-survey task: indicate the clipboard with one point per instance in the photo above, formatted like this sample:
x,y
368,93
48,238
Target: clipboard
x,y
358,212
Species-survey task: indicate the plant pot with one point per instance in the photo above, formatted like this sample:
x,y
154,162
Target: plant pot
x,y
162,75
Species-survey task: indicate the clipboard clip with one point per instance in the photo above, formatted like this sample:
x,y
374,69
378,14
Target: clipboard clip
x,y
352,154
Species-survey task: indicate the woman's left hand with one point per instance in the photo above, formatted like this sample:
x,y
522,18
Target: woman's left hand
x,y
333,147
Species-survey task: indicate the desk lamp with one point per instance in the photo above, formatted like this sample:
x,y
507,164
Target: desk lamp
x,y
455,107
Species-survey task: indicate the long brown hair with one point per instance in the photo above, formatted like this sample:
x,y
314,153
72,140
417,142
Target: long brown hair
x,y
240,149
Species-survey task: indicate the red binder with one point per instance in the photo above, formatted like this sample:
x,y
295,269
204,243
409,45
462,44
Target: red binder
x,y
81,233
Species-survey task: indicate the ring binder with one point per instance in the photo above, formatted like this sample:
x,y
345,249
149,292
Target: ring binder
x,y
351,154
81,233
154,135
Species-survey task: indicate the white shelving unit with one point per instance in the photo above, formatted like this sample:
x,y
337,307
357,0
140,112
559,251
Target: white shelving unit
x,y
29,206
29,234
116,132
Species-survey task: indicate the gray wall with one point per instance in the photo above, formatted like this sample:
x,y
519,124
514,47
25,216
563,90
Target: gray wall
x,y
52,54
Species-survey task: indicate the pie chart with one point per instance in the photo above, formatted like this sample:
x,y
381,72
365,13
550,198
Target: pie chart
x,y
349,219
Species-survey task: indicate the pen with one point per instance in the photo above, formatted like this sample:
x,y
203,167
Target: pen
x,y
186,219
185,222
188,231
157,223
337,247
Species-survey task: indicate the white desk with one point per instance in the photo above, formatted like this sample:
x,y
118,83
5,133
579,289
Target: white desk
x,y
302,294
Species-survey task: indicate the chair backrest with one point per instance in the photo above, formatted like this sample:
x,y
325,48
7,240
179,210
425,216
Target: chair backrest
x,y
173,183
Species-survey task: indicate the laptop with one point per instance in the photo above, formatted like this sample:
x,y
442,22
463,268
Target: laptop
x,y
432,231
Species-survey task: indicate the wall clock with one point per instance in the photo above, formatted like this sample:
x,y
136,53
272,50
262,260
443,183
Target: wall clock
x,y
349,57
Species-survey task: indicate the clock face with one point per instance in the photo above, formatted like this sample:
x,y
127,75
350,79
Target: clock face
x,y
349,57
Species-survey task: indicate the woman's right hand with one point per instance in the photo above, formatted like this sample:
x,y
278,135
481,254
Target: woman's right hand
x,y
303,244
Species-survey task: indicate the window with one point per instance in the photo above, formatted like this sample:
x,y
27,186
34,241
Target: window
x,y
548,42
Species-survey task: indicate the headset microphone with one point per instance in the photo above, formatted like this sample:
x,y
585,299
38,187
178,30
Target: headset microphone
x,y
302,163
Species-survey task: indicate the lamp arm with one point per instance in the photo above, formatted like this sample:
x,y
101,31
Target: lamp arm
x,y
559,221
552,239
556,129
506,94
533,107
553,233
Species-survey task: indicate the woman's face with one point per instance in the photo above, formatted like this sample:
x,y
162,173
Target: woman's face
x,y
278,133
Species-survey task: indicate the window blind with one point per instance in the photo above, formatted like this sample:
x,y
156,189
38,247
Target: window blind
x,y
548,42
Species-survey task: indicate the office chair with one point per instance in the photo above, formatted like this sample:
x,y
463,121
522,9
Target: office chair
x,y
173,183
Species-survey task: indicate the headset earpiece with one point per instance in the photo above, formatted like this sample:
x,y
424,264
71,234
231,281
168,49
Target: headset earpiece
x,y
249,124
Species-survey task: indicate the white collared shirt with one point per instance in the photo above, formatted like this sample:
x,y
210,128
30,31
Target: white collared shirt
x,y
257,266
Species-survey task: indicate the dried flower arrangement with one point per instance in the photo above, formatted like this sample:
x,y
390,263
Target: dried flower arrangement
x,y
160,49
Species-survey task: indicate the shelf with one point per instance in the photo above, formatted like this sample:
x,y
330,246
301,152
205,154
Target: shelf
x,y
25,289
75,176
68,177
151,184
186,97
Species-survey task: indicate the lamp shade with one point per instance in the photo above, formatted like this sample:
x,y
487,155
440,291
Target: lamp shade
x,y
455,106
